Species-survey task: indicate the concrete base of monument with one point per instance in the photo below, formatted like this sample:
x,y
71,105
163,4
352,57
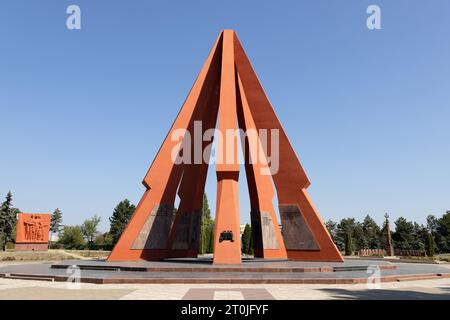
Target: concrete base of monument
x,y
252,271
205,265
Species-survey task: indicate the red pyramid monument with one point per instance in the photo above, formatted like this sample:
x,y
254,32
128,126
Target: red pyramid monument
x,y
227,95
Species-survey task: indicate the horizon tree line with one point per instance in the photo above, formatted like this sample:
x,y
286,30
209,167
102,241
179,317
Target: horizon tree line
x,y
351,235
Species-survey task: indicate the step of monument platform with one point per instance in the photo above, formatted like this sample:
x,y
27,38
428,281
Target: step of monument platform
x,y
27,277
98,274
200,266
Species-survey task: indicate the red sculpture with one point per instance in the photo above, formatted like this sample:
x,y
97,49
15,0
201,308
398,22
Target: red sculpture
x,y
228,91
32,232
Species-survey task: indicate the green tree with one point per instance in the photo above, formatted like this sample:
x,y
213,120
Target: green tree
x,y
247,239
119,219
332,229
251,250
89,228
403,236
14,215
430,245
372,232
443,233
8,221
348,244
206,227
104,241
72,237
210,245
207,238
360,239
55,223
420,237
345,228
432,224
383,236
409,235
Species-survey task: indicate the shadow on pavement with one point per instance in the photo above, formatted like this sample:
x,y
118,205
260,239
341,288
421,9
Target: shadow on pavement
x,y
383,294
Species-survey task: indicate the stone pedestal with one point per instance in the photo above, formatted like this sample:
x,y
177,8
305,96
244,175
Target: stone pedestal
x,y
33,231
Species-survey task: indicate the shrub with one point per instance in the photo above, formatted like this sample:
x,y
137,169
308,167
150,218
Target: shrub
x,y
72,238
348,245
430,246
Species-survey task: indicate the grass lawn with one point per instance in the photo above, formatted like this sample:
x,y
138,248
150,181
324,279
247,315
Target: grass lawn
x,y
443,257
52,255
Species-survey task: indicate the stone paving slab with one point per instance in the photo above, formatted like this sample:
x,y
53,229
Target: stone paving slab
x,y
402,272
424,289
224,294
31,293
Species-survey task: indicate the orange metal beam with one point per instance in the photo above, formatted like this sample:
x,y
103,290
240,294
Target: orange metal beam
x,y
227,90
227,205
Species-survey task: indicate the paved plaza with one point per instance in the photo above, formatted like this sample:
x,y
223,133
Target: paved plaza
x,y
408,289
30,289
200,271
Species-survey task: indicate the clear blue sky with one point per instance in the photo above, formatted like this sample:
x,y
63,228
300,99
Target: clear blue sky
x,y
83,112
